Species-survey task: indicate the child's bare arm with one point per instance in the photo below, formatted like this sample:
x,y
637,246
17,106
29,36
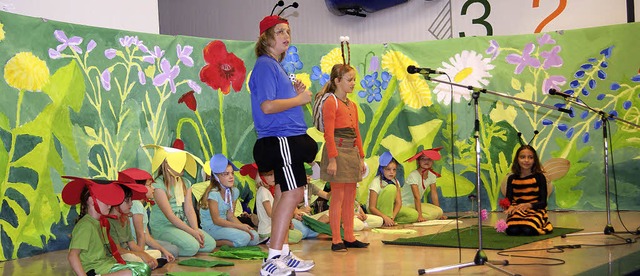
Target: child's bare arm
x,y
74,261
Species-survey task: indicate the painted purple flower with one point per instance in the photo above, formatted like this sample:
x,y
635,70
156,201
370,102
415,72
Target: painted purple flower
x,y
374,64
168,74
156,54
127,41
494,49
553,82
524,60
105,78
484,215
72,42
91,45
141,77
184,54
551,58
53,54
110,53
501,226
545,39
194,85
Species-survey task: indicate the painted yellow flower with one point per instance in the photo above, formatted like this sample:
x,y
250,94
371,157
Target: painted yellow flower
x,y
415,93
1,32
25,71
304,78
468,68
396,63
329,60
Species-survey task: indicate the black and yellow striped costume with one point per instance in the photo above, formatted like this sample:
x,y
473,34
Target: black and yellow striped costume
x,y
530,189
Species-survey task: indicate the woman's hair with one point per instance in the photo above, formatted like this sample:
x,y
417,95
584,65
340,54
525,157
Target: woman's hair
x,y
84,206
265,40
535,168
337,72
213,184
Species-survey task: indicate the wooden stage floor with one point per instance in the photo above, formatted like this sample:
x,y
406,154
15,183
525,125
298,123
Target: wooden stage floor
x,y
381,259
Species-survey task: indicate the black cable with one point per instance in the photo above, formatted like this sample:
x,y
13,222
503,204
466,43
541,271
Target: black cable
x,y
555,249
453,170
615,182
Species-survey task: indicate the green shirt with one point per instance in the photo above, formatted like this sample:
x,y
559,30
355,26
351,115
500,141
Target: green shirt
x,y
158,220
88,236
121,234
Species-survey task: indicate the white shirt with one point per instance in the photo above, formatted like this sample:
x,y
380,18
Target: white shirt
x,y
414,178
264,221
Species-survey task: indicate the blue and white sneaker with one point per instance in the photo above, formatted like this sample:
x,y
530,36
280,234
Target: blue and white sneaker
x,y
299,265
275,267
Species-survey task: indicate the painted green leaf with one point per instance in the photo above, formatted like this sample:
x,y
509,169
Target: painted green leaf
x,y
566,195
445,182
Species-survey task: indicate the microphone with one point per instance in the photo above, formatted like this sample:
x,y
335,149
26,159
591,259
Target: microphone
x,y
294,5
562,94
411,69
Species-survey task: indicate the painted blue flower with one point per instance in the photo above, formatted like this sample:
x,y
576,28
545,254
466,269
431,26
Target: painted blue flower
x,y
386,77
636,78
317,75
626,105
615,86
291,61
585,137
371,86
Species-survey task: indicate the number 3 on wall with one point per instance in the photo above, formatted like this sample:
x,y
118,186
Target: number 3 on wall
x,y
480,20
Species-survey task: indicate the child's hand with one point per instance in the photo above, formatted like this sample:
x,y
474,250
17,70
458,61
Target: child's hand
x,y
421,218
199,237
388,221
168,255
152,262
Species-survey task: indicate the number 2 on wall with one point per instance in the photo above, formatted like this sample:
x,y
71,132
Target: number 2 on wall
x,y
480,20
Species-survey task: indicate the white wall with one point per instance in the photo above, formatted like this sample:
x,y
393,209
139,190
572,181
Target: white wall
x,y
312,22
133,15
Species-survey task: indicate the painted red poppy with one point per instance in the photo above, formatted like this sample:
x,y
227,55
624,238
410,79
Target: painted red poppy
x,y
189,99
223,70
505,203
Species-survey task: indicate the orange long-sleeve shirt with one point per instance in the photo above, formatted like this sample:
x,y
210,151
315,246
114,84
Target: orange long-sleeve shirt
x,y
342,117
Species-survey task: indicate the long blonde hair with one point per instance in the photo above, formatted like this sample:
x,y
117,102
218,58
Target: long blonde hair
x,y
265,40
164,172
204,200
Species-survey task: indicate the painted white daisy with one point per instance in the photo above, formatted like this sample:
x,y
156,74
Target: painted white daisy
x,y
467,68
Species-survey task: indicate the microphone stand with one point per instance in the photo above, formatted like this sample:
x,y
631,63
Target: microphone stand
x,y
480,257
608,229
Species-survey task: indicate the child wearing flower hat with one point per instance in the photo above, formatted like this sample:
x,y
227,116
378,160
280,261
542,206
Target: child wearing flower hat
x,y
217,204
92,251
139,220
173,217
420,181
384,193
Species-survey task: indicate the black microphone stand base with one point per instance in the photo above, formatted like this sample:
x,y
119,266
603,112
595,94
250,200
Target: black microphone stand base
x,y
608,230
479,259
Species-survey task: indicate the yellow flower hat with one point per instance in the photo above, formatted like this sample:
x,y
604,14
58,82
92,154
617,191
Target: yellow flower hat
x,y
178,160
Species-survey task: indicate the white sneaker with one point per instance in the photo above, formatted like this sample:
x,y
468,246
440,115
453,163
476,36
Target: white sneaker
x,y
275,267
296,263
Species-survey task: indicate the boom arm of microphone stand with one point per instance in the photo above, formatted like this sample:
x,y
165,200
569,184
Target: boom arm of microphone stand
x,y
486,91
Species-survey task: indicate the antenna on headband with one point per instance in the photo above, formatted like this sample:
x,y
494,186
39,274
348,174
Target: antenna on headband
x,y
294,5
535,133
345,40
279,4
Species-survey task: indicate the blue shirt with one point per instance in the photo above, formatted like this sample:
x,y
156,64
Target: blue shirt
x,y
205,215
270,82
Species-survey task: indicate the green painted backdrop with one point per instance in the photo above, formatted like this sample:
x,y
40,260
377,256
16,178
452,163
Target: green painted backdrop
x,y
79,100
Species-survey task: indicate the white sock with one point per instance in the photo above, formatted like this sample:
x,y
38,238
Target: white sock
x,y
273,253
285,249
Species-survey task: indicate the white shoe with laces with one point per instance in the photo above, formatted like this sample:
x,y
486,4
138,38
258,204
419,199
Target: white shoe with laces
x,y
299,265
275,267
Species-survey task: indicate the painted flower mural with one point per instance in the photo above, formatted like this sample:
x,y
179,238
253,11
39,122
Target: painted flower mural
x,y
468,68
25,71
223,70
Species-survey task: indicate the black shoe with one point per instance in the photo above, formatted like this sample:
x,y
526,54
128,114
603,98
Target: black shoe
x,y
338,247
356,244
161,262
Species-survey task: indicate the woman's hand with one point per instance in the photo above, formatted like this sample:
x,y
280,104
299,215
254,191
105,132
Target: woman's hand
x,y
332,168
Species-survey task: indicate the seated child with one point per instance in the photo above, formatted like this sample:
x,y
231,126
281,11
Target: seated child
x,y
121,233
421,181
384,193
92,251
217,204
139,219
264,203
173,218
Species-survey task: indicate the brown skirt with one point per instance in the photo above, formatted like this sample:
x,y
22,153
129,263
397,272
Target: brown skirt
x,y
348,162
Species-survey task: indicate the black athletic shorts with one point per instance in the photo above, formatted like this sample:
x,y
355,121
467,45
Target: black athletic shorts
x,y
285,156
